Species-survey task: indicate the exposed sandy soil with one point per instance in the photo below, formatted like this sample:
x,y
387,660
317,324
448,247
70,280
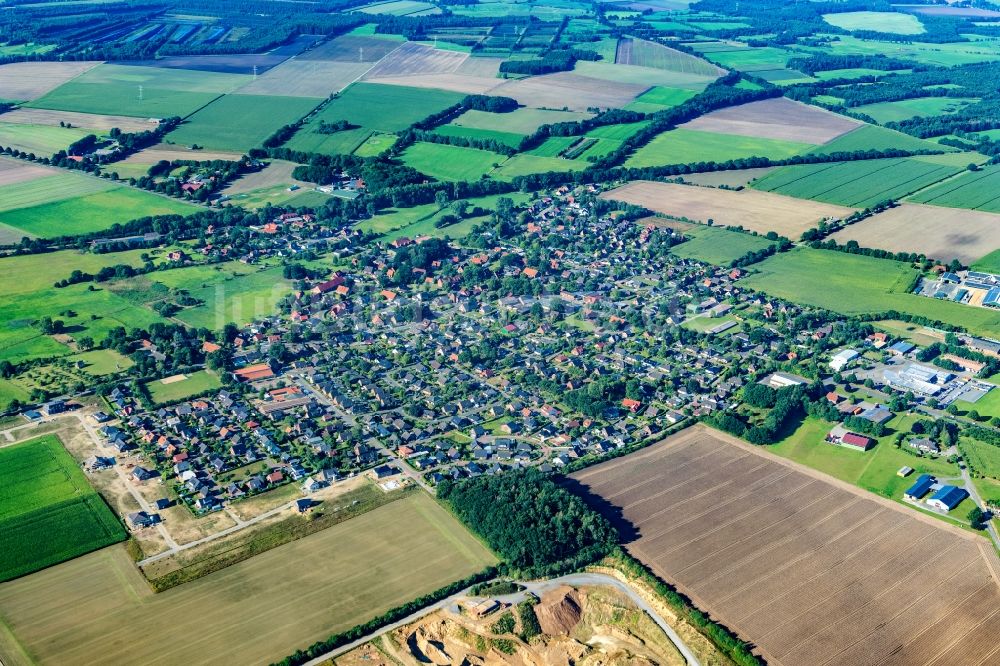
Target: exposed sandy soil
x,y
941,233
85,120
571,91
25,81
810,569
779,118
787,216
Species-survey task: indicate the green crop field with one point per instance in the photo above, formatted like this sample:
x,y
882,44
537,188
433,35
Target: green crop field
x,y
48,511
340,143
896,22
617,132
857,184
718,246
240,122
376,144
943,55
39,139
48,189
976,190
525,164
445,162
751,59
989,264
92,212
342,576
856,284
684,146
193,384
650,54
553,146
887,112
505,138
874,137
519,121
372,107
659,98
983,457
115,90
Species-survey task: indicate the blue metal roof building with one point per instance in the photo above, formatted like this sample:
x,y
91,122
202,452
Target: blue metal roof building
x,y
992,297
948,497
920,487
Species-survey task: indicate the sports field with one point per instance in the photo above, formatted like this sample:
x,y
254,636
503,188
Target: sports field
x,y
718,246
808,569
90,610
857,184
687,146
445,162
856,284
976,190
895,22
240,122
48,511
755,211
129,90
180,387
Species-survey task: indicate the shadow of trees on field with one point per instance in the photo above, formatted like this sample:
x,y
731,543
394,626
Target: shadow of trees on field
x,y
627,531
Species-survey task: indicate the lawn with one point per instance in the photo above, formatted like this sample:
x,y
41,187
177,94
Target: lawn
x,y
889,112
684,146
193,384
376,144
987,406
101,362
240,122
115,90
895,22
38,139
451,163
260,610
92,212
718,246
48,511
856,284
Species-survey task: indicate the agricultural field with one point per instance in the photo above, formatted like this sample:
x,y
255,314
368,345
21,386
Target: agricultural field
x,y
419,220
520,121
749,59
42,140
643,76
688,146
25,81
383,558
452,163
989,263
718,246
306,78
754,211
92,122
856,284
942,55
983,457
890,112
728,178
660,98
269,185
941,233
416,60
181,387
506,138
474,75
354,48
115,89
895,22
780,119
48,511
974,190
874,137
240,122
857,184
644,53
793,561
525,164
570,92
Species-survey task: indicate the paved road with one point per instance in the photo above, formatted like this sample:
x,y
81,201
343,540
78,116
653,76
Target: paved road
x,y
971,488
536,587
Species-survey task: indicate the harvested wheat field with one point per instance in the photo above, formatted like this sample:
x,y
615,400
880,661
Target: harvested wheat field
x,y
25,81
787,216
809,569
91,121
570,91
352,48
412,59
307,78
779,118
14,171
170,152
940,233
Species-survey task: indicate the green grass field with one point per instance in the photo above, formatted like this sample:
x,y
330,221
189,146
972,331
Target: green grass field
x,y
524,164
519,121
895,22
659,98
857,184
887,112
505,138
718,246
114,90
617,132
38,139
342,576
985,458
91,212
240,122
419,220
48,189
975,190
989,264
376,144
942,55
372,107
452,163
48,511
684,146
987,406
856,284
193,384
873,137
751,59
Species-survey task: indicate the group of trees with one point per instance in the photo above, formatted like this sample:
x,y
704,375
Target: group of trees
x,y
537,527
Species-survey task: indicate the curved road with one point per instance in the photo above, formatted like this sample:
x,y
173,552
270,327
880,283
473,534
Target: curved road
x,y
538,588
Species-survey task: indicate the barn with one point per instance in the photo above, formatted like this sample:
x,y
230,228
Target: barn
x,y
920,487
947,498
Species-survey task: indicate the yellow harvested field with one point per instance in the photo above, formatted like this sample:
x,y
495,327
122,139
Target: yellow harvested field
x,y
92,121
278,172
412,59
165,151
25,81
940,233
98,609
751,209
810,570
306,78
779,118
